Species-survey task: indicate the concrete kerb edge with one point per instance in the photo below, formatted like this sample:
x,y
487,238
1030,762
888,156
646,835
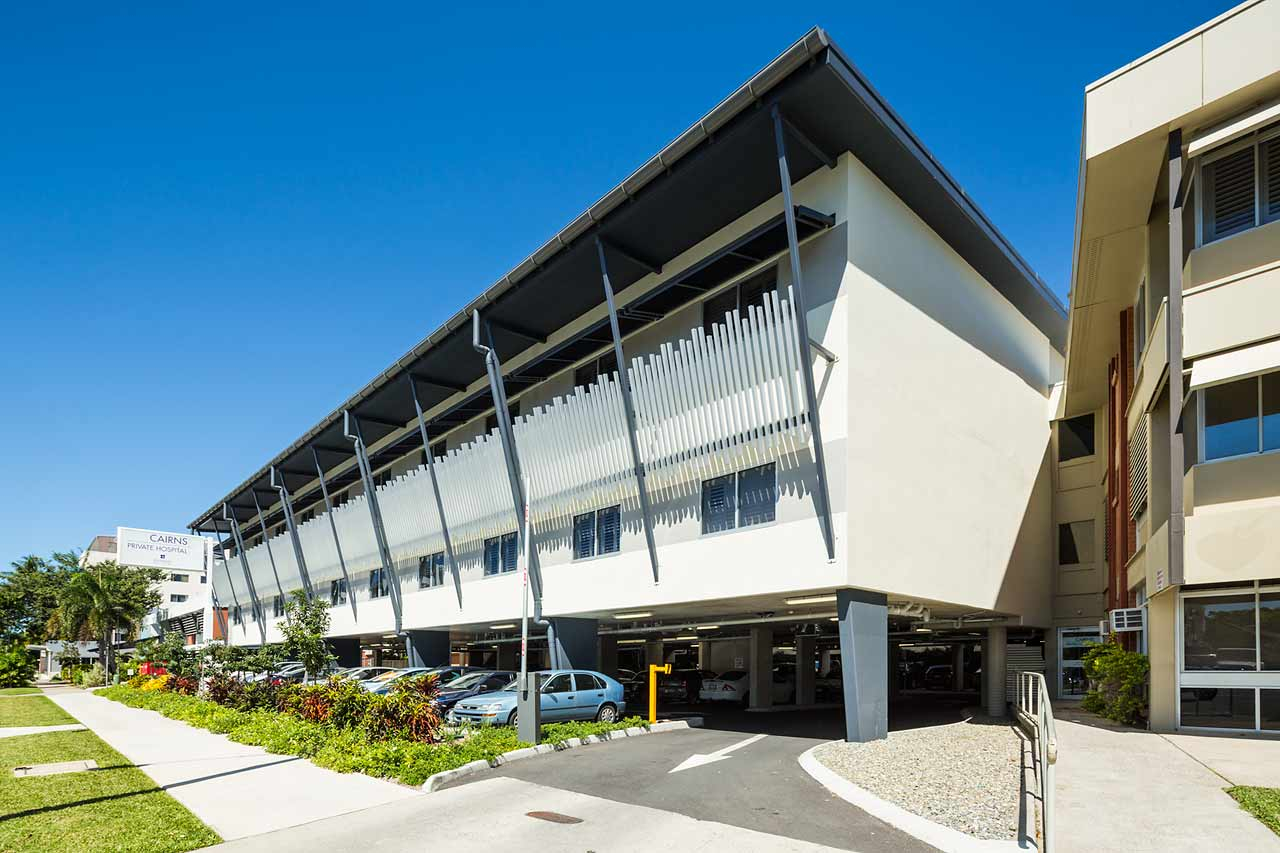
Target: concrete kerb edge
x,y
935,834
436,781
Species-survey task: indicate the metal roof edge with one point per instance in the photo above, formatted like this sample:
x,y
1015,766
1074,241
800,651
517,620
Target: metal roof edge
x,y
808,46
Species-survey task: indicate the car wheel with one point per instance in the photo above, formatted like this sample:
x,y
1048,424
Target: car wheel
x,y
514,718
606,714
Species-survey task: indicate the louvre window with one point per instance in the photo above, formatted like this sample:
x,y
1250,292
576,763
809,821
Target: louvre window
x,y
597,532
740,500
431,571
740,297
1138,468
500,554
1242,188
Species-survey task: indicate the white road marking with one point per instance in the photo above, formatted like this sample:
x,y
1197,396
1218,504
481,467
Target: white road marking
x,y
698,759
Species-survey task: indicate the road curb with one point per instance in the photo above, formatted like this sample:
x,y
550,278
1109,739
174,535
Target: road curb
x,y
942,837
436,781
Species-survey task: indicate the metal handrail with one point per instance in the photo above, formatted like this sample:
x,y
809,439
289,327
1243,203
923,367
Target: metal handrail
x,y
1035,714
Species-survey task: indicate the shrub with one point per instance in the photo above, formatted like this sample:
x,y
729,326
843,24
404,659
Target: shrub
x,y
159,682
222,688
17,669
1119,679
408,710
94,676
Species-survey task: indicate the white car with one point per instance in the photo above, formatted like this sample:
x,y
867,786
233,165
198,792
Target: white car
x,y
735,686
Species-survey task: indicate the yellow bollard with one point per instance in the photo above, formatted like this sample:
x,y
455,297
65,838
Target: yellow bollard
x,y
654,669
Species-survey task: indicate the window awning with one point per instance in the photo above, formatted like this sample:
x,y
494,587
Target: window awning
x,y
1234,129
1237,364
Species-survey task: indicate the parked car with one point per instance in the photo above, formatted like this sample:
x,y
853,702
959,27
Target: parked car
x,y
939,677
363,673
449,674
564,695
382,683
475,684
735,686
830,687
683,685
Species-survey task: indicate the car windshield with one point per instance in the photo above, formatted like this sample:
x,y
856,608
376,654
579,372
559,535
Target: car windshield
x,y
388,675
474,679
732,675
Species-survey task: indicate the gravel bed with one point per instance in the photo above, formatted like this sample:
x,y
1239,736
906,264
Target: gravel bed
x,y
964,775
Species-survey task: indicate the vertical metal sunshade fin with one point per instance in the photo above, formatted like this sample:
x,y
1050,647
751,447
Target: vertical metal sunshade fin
x,y
802,329
435,489
266,542
213,596
503,415
628,408
214,610
258,615
333,526
277,481
351,430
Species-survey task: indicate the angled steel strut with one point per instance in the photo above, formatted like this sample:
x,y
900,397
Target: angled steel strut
x,y
351,429
435,488
277,481
258,615
333,526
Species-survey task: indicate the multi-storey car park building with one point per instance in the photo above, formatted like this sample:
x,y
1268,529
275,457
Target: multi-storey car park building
x,y
1167,490
831,435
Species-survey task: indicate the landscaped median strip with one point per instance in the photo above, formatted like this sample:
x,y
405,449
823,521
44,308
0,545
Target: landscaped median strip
x,y
354,749
438,780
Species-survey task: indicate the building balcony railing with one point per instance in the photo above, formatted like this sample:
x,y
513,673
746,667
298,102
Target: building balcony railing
x,y
706,405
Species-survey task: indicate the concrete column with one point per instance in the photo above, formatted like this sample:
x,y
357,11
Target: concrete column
x,y
509,656
806,669
995,648
704,656
653,653
864,659
760,667
427,648
957,667
575,643
895,680
346,649
607,651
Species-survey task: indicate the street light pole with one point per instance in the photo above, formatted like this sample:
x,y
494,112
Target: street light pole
x,y
528,706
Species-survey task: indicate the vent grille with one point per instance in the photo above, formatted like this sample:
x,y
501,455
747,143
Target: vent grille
x,y
1128,619
1138,468
1271,178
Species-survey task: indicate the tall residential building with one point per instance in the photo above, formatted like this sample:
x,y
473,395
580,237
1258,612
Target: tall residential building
x,y
1167,484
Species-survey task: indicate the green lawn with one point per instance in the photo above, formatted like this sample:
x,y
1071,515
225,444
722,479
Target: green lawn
x,y
18,691
114,808
1262,803
32,711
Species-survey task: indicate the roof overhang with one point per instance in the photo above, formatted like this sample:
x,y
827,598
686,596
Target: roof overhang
x,y
713,174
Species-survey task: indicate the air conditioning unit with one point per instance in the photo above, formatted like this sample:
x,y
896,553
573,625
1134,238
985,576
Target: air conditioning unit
x,y
1128,619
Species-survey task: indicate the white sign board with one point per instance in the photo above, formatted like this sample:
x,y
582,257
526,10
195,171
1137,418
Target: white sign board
x,y
179,551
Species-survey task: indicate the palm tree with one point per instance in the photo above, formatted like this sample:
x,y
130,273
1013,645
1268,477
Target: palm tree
x,y
100,600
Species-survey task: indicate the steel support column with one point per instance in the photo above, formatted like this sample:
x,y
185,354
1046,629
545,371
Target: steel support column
x,y
1173,328
628,408
266,540
435,489
286,503
802,326
349,423
258,616
215,610
333,526
226,568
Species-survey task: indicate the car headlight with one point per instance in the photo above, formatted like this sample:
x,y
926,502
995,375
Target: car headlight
x,y
493,706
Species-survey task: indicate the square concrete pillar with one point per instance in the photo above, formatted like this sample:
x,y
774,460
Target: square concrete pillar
x,y
864,663
957,667
427,648
346,649
995,655
509,656
704,656
653,653
608,655
806,670
760,667
574,643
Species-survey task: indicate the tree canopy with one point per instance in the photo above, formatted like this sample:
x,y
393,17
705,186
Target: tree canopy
x,y
29,594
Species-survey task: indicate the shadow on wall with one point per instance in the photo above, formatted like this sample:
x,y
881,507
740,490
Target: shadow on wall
x,y
1027,584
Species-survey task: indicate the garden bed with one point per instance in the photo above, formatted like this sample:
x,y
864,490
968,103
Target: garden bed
x,y
350,749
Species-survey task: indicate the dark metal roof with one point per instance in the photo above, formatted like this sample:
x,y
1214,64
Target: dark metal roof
x,y
719,169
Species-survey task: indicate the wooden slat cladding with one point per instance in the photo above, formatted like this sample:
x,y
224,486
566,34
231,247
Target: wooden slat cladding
x,y
1120,528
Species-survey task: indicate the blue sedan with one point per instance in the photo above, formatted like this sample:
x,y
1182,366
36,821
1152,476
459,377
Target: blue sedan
x,y
566,695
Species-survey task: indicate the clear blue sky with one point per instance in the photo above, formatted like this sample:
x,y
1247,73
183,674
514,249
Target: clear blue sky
x,y
217,222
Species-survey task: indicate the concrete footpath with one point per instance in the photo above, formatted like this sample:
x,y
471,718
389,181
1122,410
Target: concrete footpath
x,y
500,814
1125,789
237,790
